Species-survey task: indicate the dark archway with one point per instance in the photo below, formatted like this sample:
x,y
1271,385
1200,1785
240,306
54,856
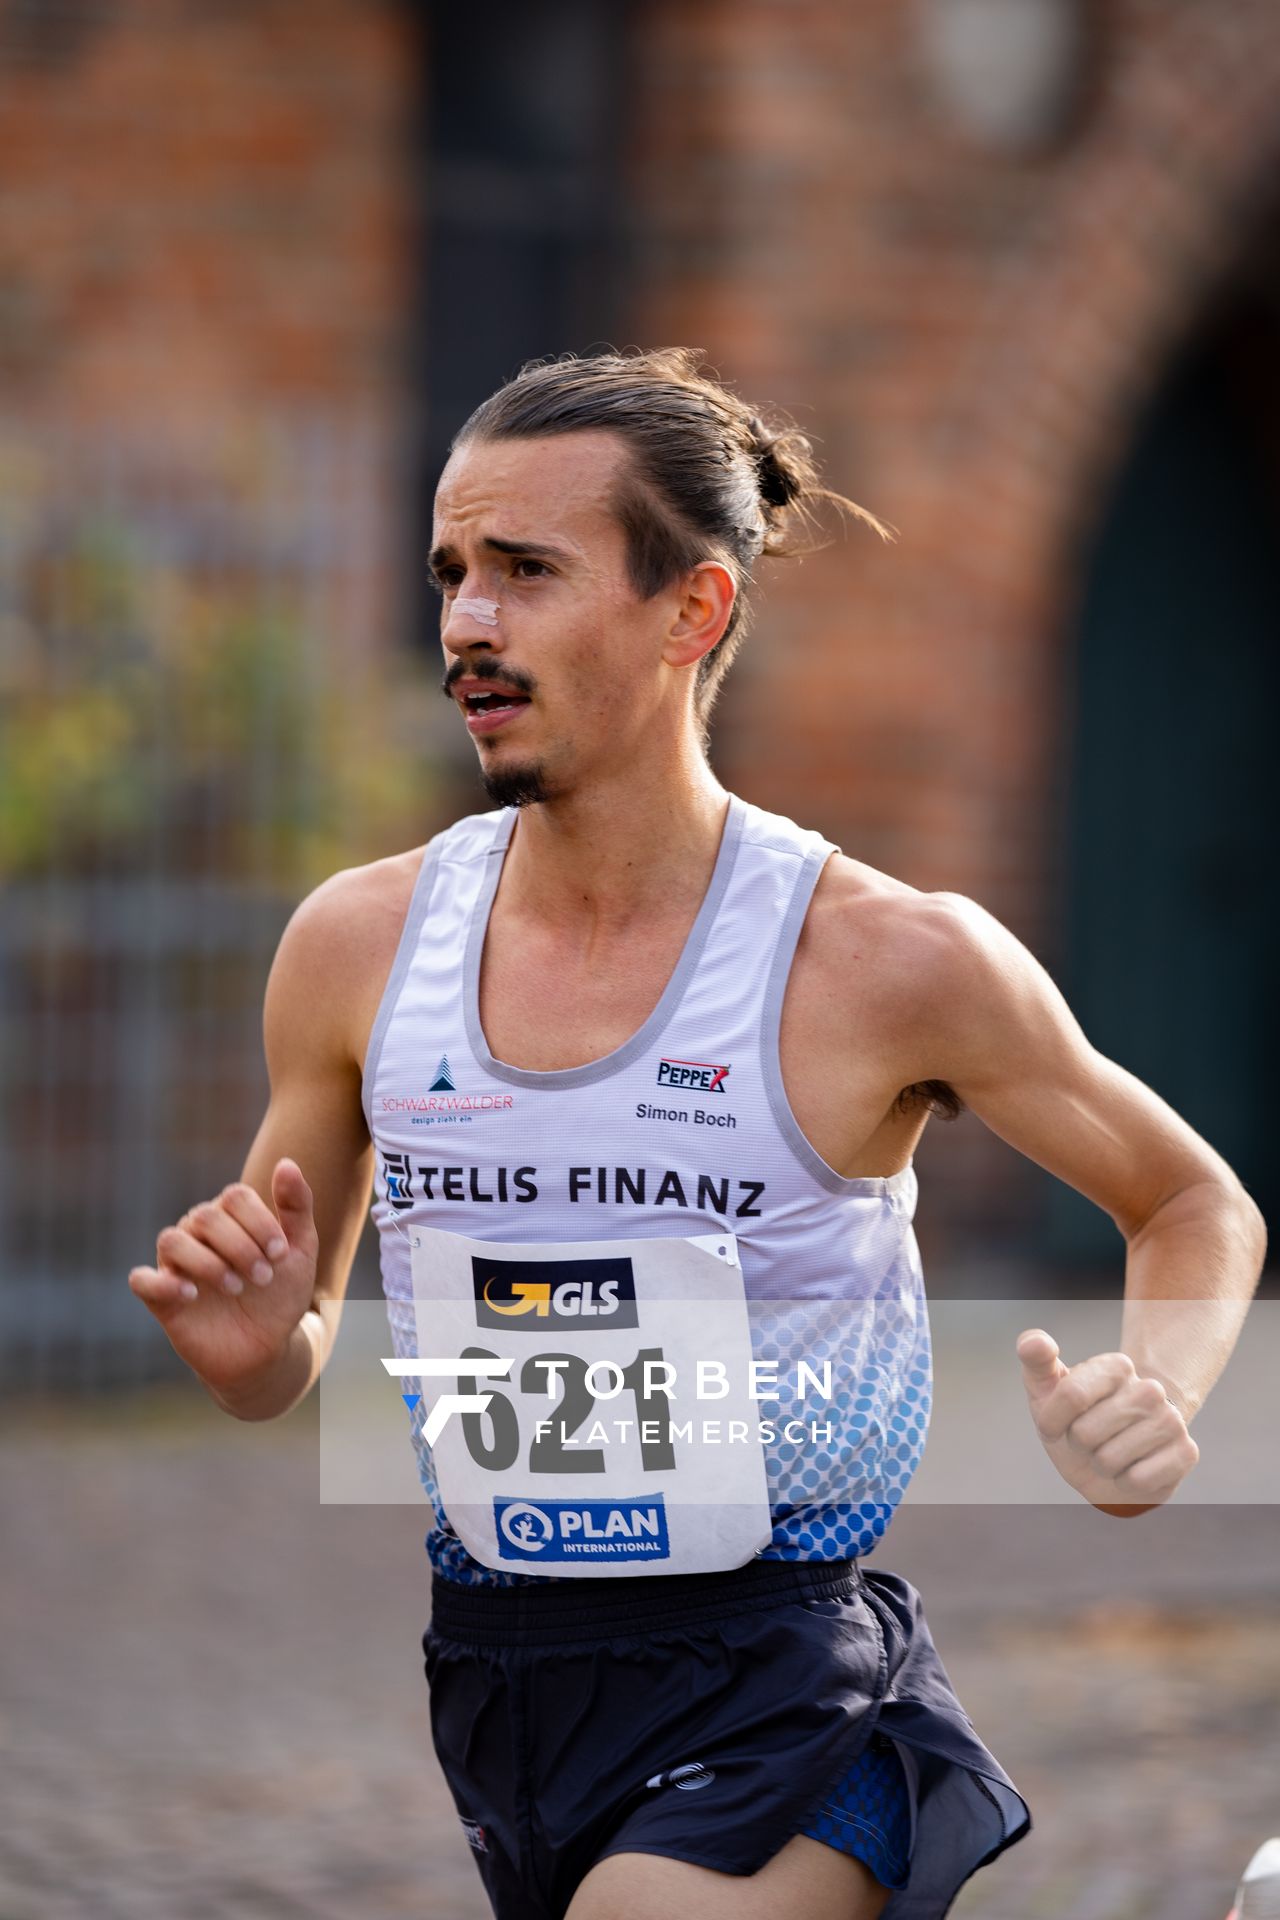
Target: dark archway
x,y
525,241
1172,871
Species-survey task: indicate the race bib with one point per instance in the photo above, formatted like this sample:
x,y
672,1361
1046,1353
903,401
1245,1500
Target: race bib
x,y
600,1420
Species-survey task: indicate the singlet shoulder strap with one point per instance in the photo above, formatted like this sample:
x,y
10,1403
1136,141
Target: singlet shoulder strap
x,y
463,839
775,872
813,852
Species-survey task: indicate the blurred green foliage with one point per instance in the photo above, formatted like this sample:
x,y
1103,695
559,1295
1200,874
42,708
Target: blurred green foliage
x,y
192,717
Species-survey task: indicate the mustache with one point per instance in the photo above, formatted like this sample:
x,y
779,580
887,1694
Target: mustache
x,y
486,669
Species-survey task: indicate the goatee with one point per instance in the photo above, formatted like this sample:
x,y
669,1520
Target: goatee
x,y
516,786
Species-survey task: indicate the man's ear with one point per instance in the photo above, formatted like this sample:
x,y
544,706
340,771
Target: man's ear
x,y
706,603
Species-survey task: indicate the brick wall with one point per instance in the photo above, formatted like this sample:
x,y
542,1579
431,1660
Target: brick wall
x,y
206,205
206,263
209,219
972,337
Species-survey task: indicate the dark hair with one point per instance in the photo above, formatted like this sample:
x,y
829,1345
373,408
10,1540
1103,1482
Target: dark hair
x,y
708,478
935,1096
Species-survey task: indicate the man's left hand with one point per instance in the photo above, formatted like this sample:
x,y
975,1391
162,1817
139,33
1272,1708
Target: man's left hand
x,y
1113,1434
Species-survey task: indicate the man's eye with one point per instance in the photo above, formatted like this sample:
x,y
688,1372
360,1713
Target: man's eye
x,y
447,577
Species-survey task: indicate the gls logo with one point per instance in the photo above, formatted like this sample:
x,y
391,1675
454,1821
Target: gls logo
x,y
692,1073
531,1296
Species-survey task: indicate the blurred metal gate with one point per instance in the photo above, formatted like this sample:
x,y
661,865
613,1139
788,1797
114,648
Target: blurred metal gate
x,y
183,624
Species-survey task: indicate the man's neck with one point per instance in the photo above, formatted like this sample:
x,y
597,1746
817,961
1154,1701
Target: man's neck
x,y
619,851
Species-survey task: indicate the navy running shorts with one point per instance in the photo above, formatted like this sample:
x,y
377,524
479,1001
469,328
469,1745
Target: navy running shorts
x,y
709,1717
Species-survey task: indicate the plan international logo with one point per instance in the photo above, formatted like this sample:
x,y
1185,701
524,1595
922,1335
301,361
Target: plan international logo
x,y
582,1529
698,1074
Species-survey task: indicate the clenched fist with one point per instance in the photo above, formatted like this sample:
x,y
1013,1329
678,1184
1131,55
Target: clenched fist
x,y
1113,1435
233,1279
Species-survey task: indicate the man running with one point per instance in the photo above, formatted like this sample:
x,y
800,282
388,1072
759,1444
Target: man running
x,y
635,1073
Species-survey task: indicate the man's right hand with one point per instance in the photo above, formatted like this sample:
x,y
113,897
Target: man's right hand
x,y
233,1279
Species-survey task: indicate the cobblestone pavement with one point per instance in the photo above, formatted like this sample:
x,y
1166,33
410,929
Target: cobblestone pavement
x,y
211,1699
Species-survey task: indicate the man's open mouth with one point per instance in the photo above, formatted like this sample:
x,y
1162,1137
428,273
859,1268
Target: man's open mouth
x,y
490,702
491,708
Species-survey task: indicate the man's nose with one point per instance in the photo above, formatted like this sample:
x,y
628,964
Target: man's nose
x,y
472,620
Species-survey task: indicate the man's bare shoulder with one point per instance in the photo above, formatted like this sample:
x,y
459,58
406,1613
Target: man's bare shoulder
x,y
338,947
916,951
384,885
855,900
356,908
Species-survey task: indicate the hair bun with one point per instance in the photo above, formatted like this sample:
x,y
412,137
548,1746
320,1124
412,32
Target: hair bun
x,y
778,487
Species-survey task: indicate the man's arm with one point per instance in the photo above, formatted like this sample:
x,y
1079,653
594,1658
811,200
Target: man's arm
x,y
993,1023
315,1116
258,1350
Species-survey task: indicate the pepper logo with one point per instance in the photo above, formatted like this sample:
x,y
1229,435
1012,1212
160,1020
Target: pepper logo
x,y
692,1073
535,1295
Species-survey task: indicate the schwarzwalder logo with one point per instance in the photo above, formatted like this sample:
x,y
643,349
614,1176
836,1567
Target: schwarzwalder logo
x,y
692,1073
531,1296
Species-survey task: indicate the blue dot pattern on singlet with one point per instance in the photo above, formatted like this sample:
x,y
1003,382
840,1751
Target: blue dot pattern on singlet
x,y
869,1814
830,1499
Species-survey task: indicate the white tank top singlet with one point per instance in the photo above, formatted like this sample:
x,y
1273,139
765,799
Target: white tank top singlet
x,y
683,1130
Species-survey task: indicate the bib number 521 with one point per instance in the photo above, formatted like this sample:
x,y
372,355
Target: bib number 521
x,y
550,1451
